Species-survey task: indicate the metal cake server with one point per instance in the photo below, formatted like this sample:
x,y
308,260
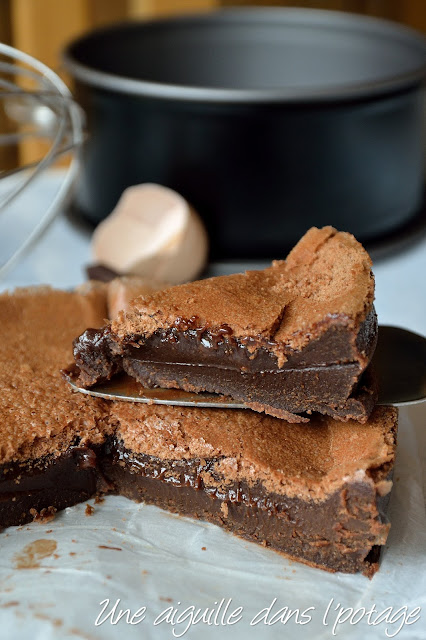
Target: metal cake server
x,y
399,362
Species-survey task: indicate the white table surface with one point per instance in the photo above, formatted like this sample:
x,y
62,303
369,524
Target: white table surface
x,y
161,560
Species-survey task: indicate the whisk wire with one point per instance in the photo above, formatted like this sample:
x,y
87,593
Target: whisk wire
x,y
45,112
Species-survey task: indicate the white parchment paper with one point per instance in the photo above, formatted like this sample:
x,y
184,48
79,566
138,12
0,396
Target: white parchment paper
x,y
167,563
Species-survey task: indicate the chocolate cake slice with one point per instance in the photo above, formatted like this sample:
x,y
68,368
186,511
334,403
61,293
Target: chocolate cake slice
x,y
44,429
315,492
289,340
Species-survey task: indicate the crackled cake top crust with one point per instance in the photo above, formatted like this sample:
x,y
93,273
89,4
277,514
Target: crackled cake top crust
x,y
38,414
326,279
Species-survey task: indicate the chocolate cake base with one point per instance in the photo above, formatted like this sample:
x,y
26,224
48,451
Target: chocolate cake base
x,y
344,532
285,394
35,488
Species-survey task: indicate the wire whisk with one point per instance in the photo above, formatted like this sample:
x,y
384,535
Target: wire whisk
x,y
36,105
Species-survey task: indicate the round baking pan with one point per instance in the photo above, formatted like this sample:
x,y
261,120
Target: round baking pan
x,y
268,121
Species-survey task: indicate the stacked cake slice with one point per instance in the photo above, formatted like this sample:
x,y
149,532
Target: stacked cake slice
x,y
288,340
294,339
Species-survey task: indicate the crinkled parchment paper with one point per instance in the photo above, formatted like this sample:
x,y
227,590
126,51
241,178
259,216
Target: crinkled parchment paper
x,y
145,557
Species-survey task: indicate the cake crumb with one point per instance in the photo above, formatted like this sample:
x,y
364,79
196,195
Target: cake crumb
x,y
56,622
103,546
76,632
45,515
89,510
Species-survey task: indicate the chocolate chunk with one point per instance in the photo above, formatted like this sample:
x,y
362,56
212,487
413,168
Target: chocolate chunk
x,y
101,273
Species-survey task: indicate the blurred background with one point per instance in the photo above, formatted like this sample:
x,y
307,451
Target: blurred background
x,y
42,27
